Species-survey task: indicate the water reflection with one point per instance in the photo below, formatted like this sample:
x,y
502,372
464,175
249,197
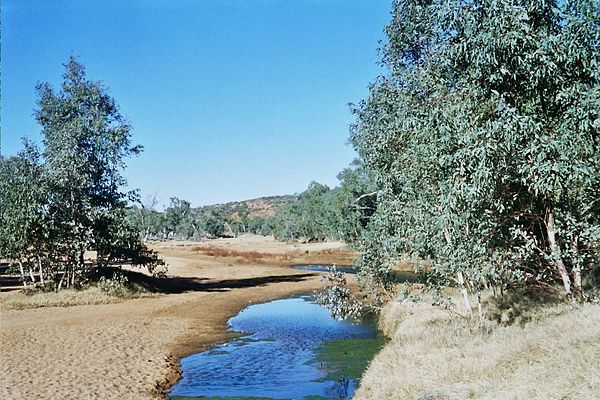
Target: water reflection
x,y
276,359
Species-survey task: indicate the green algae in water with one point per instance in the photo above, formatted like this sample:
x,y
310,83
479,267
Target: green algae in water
x,y
223,398
347,358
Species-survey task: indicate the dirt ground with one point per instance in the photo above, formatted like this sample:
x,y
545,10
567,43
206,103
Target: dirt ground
x,y
131,350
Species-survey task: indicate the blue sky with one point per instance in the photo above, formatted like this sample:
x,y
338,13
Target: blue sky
x,y
231,99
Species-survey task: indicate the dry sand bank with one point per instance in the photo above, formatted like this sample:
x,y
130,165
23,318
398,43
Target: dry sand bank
x,y
130,350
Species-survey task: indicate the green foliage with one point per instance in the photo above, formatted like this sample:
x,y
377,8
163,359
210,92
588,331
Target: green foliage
x,y
69,200
483,138
25,225
318,213
22,183
337,297
321,213
114,286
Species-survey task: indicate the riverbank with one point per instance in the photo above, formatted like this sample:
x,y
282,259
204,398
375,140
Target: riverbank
x,y
131,350
434,354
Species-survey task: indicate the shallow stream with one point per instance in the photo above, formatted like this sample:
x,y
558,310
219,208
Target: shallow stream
x,y
292,349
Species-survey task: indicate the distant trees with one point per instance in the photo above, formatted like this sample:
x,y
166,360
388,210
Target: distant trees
x,y
146,218
483,139
316,214
182,221
67,200
321,213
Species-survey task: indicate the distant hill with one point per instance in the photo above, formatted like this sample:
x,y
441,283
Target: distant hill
x,y
259,207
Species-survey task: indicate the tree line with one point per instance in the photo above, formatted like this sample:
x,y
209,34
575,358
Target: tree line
x,y
66,199
319,213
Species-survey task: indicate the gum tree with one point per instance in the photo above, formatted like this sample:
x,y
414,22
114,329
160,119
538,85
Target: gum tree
x,y
483,137
86,143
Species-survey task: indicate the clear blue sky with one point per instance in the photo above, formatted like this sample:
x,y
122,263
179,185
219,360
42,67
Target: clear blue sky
x,y
232,99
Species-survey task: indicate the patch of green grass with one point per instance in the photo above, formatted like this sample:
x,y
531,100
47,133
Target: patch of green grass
x,y
347,358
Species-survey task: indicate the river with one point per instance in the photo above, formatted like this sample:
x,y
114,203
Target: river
x,y
290,349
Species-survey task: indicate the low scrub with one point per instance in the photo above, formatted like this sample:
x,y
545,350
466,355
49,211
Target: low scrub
x,y
548,352
68,297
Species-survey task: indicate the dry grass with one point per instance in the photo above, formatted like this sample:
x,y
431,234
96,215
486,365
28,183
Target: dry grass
x,y
328,256
436,355
68,297
213,251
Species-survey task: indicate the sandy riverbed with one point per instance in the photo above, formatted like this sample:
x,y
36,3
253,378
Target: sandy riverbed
x,y
130,350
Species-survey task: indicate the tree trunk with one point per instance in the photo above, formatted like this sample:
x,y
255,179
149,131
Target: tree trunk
x,y
81,268
460,279
555,251
62,279
68,277
31,274
22,273
576,268
41,270
479,306
76,268
229,229
465,294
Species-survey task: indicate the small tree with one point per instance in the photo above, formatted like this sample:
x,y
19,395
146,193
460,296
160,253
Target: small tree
x,y
86,142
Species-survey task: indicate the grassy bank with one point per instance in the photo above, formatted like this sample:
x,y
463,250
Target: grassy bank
x,y
69,297
436,355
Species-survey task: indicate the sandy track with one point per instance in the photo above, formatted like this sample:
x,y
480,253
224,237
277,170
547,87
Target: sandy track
x,y
130,350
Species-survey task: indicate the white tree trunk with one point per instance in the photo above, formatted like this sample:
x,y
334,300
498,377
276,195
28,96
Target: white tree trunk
x,y
576,267
22,273
460,279
31,274
555,251
41,270
62,279
465,294
479,306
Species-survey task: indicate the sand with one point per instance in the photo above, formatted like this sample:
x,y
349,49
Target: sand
x,y
131,350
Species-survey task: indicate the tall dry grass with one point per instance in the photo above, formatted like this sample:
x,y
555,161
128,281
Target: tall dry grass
x,y
436,355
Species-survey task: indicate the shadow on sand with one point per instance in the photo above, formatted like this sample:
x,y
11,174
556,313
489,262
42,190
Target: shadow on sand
x,y
174,285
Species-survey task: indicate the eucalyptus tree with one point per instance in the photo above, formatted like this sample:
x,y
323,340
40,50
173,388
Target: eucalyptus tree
x,y
24,224
483,139
86,143
353,202
287,221
145,218
313,213
177,217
